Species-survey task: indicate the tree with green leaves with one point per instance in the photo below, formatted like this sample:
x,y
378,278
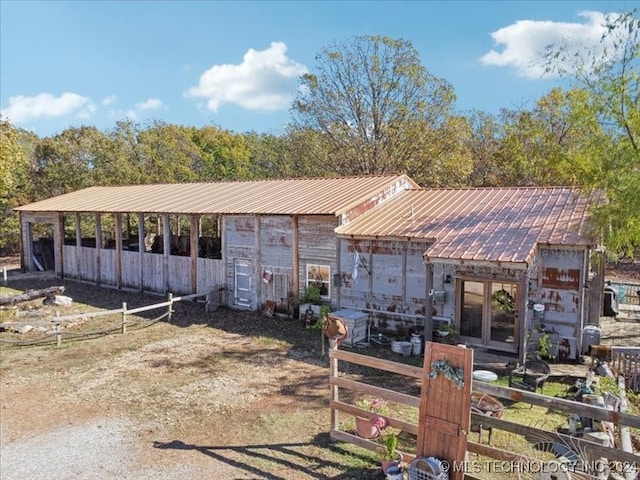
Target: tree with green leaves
x,y
16,148
373,103
606,109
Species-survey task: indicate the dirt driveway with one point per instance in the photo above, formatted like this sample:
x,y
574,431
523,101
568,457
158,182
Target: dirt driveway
x,y
209,396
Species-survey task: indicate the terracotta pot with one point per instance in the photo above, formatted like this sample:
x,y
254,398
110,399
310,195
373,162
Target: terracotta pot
x,y
365,429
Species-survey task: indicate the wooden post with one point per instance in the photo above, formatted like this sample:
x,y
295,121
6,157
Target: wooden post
x,y
141,249
124,317
428,303
98,247
4,275
58,332
78,244
119,250
333,373
295,248
166,241
194,230
170,311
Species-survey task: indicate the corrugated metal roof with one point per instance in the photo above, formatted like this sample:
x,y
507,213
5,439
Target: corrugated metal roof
x,y
312,196
479,224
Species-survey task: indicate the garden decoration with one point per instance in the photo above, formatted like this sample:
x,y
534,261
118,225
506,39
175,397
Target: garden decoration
x,y
450,372
370,428
503,300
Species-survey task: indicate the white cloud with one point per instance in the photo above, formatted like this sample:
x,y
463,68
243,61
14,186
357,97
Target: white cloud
x,y
524,43
138,109
23,109
149,104
265,80
110,100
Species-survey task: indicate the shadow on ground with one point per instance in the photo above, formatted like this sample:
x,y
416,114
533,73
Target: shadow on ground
x,y
279,461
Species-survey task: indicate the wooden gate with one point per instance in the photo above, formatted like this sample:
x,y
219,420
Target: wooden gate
x,y
445,400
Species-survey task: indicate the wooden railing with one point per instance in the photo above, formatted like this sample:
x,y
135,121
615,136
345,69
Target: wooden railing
x,y
587,448
59,322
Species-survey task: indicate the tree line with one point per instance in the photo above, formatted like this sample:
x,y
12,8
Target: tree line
x,y
370,107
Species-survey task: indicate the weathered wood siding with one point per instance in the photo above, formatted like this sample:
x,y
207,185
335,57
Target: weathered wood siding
x,y
240,241
130,269
86,263
276,260
70,261
153,278
179,274
557,282
389,279
108,267
210,274
317,245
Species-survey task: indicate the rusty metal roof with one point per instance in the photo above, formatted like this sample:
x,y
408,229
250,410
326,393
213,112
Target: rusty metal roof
x,y
479,224
310,196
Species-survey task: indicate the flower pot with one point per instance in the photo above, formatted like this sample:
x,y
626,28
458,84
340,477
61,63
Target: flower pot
x,y
365,429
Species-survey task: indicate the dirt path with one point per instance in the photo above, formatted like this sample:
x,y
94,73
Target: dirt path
x,y
222,395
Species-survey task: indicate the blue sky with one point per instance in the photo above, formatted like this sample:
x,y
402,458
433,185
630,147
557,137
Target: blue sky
x,y
236,64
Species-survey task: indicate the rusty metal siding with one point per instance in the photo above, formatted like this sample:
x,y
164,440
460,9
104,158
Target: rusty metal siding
x,y
317,244
386,279
415,276
276,241
557,284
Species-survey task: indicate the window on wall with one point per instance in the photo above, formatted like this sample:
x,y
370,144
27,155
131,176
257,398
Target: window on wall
x,y
319,276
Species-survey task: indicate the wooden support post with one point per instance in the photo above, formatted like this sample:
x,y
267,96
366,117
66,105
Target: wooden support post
x,y
295,248
166,238
194,230
58,332
170,311
141,249
78,245
119,250
124,317
333,373
428,303
98,247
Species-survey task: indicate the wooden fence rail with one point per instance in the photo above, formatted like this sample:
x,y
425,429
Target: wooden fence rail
x,y
532,434
58,321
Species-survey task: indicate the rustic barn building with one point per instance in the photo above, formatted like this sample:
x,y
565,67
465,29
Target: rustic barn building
x,y
497,264
256,241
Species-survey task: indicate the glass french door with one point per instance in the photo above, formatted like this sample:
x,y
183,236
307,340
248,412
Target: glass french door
x,y
488,314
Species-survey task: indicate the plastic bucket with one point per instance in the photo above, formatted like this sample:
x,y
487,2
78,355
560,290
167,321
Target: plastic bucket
x,y
416,342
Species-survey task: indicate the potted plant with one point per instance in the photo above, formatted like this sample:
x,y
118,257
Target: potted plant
x,y
370,427
310,302
389,456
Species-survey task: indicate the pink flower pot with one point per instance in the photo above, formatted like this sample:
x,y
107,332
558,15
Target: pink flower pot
x,y
365,429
